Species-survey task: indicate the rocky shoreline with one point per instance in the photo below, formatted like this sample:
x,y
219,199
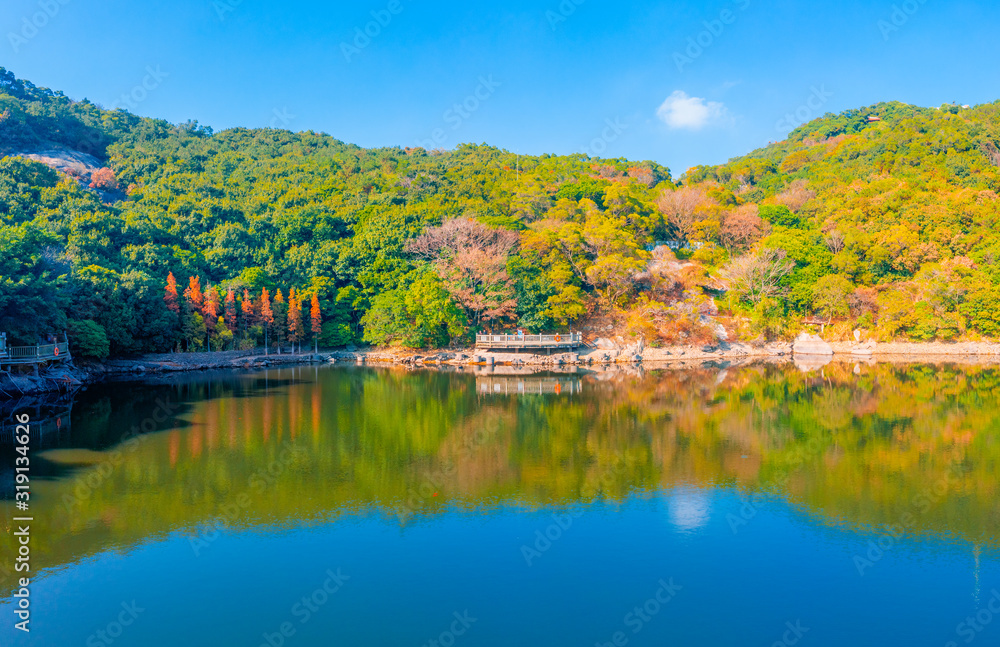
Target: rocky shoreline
x,y
807,348
807,352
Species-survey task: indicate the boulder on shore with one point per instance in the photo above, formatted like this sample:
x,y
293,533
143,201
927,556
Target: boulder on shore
x,y
867,348
806,344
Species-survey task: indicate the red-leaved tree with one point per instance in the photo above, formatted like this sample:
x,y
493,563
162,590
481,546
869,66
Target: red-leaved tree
x,y
230,308
280,309
266,314
317,320
248,310
471,259
103,178
294,317
210,310
193,295
170,294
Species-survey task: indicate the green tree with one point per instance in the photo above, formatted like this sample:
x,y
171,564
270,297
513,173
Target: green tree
x,y
342,323
222,336
193,330
88,339
830,296
420,315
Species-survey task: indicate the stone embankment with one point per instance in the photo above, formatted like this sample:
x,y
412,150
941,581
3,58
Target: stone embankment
x,y
59,377
808,352
632,354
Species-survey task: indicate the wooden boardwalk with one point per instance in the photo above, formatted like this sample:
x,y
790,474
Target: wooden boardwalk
x,y
34,354
568,341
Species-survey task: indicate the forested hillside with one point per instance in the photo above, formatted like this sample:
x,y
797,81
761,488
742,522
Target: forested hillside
x,y
885,225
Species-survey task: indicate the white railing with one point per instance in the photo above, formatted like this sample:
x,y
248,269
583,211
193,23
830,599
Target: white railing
x,y
32,354
532,341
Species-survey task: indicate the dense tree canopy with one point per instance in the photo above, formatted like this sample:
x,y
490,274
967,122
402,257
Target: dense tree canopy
x,y
422,248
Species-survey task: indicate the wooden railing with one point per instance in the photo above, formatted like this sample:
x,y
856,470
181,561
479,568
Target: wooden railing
x,y
569,340
34,354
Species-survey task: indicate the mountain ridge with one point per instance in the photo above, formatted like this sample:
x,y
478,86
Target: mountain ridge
x,y
879,218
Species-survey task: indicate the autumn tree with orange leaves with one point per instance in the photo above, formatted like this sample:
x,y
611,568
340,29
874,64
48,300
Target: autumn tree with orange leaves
x,y
193,295
280,309
316,318
170,295
684,208
230,308
248,315
247,309
266,314
103,178
210,310
295,332
192,322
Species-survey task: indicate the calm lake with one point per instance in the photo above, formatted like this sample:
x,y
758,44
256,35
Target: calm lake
x,y
761,505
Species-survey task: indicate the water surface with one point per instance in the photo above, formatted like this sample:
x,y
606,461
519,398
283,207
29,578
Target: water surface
x,y
360,506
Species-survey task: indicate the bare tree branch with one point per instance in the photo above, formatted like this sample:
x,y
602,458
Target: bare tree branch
x,y
472,260
683,208
758,276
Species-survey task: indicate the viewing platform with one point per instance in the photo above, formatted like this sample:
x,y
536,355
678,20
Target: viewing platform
x,y
33,354
568,341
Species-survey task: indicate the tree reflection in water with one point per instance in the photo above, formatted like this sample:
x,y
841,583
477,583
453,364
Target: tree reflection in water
x,y
865,446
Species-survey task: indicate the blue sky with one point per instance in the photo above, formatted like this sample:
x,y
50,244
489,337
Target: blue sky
x,y
681,83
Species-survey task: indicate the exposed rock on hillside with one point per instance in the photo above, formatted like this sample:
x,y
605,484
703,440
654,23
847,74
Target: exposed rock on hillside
x,y
81,167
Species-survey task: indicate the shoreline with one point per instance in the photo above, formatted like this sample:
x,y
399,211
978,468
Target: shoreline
x,y
782,351
69,378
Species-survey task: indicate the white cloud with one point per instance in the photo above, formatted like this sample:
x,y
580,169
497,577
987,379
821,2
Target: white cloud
x,y
692,113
